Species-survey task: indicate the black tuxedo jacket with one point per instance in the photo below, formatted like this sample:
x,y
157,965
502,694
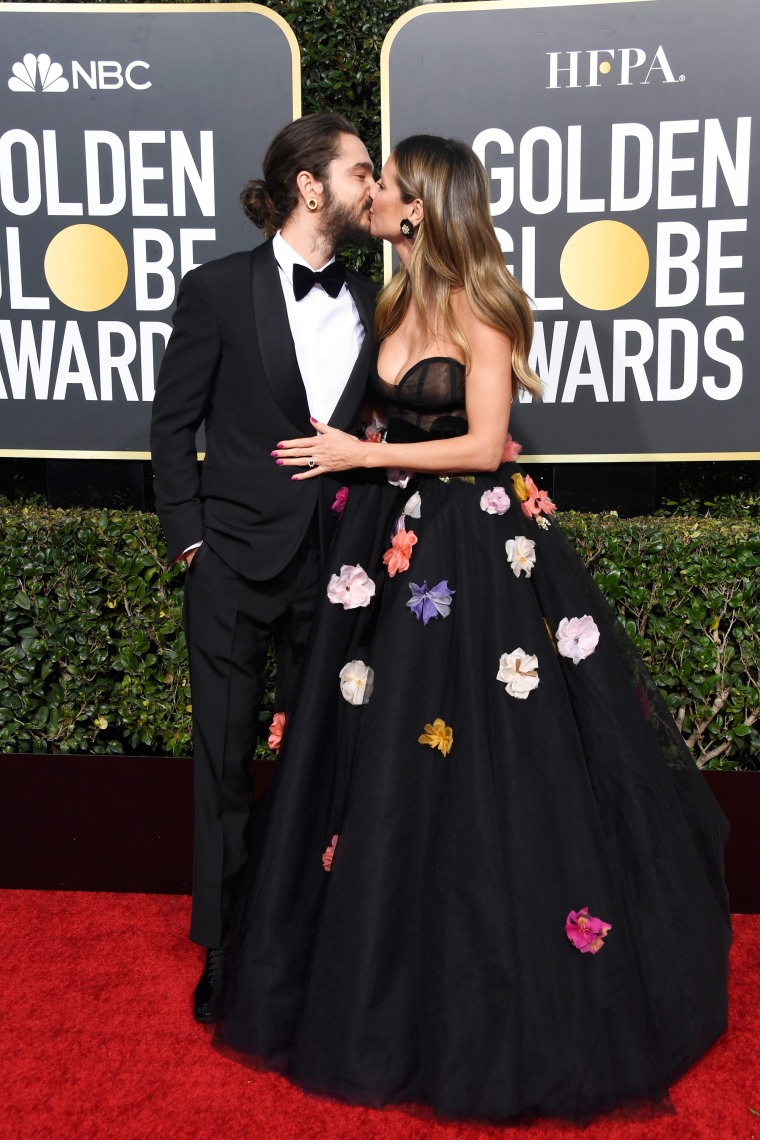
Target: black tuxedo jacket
x,y
231,362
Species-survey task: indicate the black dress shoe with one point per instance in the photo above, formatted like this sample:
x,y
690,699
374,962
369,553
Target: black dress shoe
x,y
208,992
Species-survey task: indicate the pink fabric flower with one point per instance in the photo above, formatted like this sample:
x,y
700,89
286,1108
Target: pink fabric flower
x,y
373,436
495,501
352,588
577,638
398,476
545,505
397,558
276,729
329,852
538,502
511,450
586,933
341,499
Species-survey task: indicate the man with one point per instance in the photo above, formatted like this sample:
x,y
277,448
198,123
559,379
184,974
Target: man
x,y
259,345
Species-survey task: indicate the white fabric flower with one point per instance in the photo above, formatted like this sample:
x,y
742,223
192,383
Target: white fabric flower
x,y
519,671
521,552
495,501
543,522
377,423
357,681
398,477
352,588
413,506
577,638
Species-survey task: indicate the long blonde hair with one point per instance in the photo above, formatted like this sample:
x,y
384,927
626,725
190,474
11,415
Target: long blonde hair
x,y
455,247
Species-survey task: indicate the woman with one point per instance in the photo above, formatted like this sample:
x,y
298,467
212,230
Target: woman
x,y
491,881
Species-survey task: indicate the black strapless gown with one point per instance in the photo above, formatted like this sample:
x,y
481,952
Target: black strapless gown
x,y
426,956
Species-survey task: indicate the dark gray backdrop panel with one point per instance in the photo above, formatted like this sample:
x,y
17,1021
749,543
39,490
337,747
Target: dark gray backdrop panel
x,y
459,72
229,72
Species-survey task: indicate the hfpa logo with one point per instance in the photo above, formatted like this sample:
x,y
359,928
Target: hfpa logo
x,y
39,73
629,65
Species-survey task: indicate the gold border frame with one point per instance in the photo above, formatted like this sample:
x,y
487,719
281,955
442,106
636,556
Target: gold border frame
x,y
489,6
168,9
616,457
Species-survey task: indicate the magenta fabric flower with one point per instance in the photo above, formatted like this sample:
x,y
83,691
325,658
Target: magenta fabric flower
x,y
495,501
352,588
341,499
577,638
511,450
586,933
643,700
329,853
432,603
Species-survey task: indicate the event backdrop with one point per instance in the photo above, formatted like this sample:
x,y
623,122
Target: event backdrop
x,y
619,142
126,133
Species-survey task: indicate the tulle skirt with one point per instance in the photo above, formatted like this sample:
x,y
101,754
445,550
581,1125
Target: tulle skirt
x,y
490,878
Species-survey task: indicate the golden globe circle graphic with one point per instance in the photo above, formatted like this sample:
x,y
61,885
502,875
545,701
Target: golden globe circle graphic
x,y
86,268
604,265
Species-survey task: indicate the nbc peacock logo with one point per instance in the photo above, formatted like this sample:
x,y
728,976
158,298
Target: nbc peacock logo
x,y
38,73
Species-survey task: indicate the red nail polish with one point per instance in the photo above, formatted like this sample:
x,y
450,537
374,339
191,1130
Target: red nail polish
x,y
280,462
313,419
293,477
273,453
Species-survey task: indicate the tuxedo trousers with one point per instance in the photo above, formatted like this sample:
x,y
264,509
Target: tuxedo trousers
x,y
230,624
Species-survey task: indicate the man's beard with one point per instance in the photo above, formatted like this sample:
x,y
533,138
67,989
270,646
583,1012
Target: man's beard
x,y
341,224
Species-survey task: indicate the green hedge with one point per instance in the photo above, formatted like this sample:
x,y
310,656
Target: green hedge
x,y
92,656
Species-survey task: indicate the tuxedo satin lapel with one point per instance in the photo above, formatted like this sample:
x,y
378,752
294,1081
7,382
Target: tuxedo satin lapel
x,y
353,393
276,340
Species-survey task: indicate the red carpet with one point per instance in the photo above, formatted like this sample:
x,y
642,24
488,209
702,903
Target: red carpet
x,y
97,1041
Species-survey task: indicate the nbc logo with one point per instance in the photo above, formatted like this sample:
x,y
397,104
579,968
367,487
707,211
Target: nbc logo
x,y
37,73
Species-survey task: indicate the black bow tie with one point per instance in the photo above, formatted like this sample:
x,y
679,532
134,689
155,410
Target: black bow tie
x,y
331,279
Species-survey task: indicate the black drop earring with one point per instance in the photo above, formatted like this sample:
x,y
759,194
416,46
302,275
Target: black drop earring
x,y
407,228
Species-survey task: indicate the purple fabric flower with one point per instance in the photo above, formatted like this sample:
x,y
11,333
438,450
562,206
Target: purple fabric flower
x,y
432,603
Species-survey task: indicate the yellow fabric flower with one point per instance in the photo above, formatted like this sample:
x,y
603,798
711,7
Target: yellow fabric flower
x,y
438,735
520,487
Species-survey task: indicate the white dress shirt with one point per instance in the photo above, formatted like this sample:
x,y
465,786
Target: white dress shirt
x,y
327,333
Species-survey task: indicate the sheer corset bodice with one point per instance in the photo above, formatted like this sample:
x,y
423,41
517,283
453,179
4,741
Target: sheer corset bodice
x,y
428,400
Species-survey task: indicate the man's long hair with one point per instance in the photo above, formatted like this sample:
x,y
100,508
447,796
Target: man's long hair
x,y
310,143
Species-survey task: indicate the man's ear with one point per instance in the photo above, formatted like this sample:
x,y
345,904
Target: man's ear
x,y
309,188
